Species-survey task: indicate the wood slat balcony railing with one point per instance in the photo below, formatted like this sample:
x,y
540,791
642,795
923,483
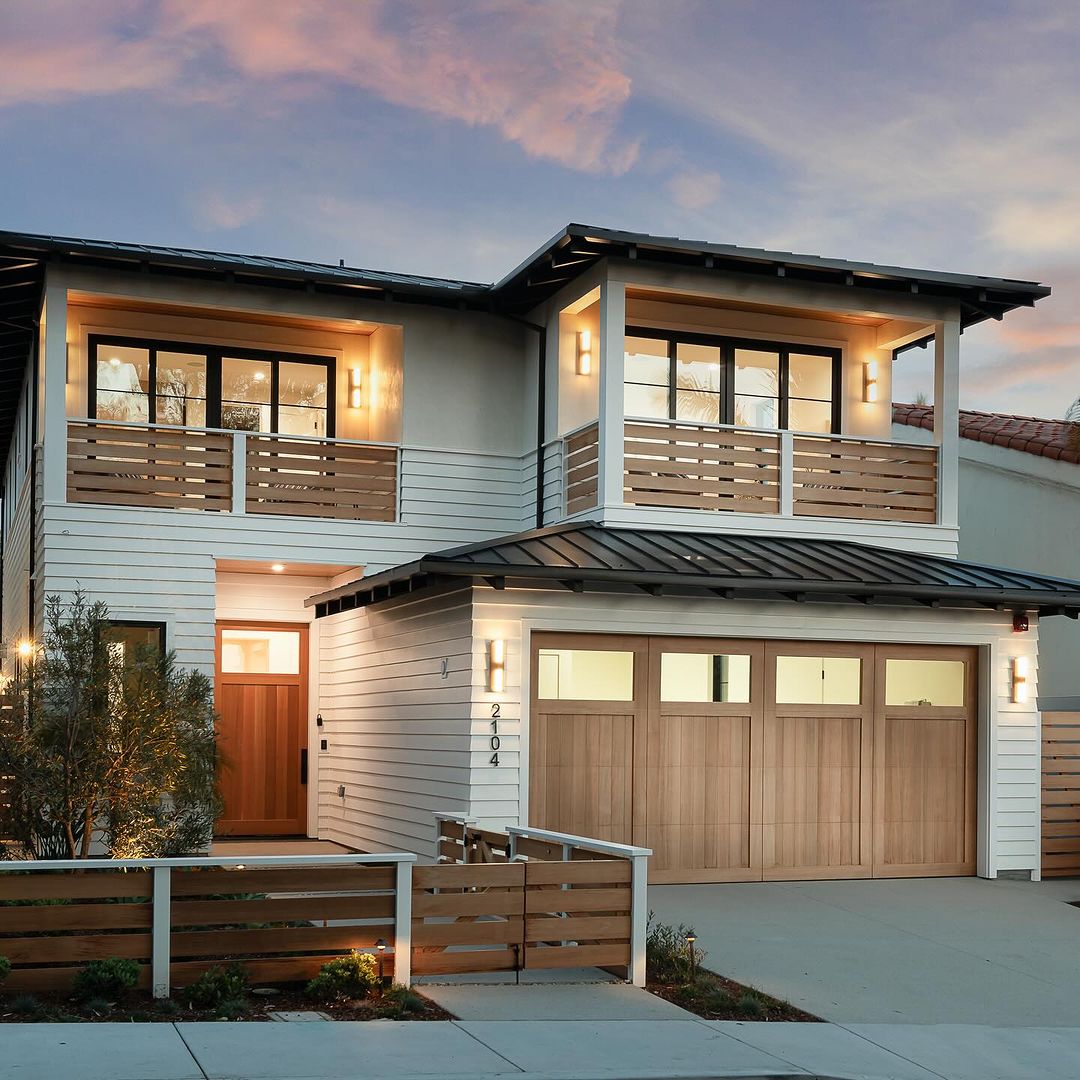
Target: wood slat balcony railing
x,y
582,456
674,464
158,466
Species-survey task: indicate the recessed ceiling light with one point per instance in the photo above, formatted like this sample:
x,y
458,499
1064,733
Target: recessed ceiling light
x,y
277,567
114,360
259,376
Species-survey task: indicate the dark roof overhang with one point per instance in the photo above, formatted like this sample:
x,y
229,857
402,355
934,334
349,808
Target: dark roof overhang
x,y
722,565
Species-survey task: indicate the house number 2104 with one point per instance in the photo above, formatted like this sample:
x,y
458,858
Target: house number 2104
x,y
495,741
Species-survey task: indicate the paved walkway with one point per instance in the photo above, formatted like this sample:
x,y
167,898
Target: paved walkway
x,y
554,1049
945,951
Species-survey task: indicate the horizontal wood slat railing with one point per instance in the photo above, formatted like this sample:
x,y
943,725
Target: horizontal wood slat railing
x,y
713,467
321,479
581,450
158,466
701,467
143,465
837,477
1060,794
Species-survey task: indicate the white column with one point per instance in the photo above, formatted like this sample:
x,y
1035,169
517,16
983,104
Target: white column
x,y
403,924
947,418
639,916
53,389
161,920
612,345
787,474
239,473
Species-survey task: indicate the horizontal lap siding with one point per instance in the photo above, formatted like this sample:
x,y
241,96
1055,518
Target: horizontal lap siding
x,y
16,569
1008,817
396,729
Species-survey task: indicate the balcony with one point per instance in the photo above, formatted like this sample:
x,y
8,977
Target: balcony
x,y
682,466
162,467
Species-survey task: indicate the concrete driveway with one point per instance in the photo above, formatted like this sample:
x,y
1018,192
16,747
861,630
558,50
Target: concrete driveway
x,y
938,951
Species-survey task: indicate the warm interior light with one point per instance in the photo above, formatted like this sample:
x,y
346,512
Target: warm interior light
x,y
870,383
114,360
26,648
355,399
496,665
584,352
277,567
259,376
1020,679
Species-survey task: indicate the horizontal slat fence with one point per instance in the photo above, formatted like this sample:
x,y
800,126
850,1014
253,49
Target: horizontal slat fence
x,y
321,479
132,465
582,468
1060,794
849,478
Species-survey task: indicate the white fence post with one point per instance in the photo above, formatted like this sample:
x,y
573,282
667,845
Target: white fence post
x,y
639,916
161,918
239,473
403,923
787,474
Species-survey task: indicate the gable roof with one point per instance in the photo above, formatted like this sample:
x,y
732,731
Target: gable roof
x,y
1057,439
731,566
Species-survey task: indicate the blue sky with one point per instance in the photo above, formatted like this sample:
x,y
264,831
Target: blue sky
x,y
453,138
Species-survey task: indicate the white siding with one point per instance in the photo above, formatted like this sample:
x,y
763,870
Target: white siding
x,y
397,728
15,522
553,486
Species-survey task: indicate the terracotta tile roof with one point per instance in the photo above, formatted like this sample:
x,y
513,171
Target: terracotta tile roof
x,y
1055,439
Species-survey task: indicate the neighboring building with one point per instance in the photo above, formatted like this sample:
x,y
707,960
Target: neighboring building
x,y
621,545
1020,506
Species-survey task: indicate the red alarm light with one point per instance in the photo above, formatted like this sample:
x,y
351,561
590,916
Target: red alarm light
x,y
1021,624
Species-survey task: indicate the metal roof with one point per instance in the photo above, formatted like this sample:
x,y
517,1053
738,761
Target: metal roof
x,y
591,557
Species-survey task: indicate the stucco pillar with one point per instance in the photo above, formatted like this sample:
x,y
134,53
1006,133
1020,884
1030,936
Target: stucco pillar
x,y
612,344
947,418
53,391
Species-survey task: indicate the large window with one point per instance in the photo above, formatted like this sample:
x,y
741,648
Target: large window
x,y
203,386
728,381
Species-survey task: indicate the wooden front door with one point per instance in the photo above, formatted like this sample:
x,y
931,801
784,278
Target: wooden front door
x,y
747,761
261,696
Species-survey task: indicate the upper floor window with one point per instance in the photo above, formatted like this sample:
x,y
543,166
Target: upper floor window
x,y
207,386
718,380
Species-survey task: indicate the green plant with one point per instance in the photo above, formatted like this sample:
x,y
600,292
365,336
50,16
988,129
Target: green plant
x,y
750,1005
167,1007
667,953
397,1002
351,976
97,1005
25,1005
233,1009
105,979
219,985
5,968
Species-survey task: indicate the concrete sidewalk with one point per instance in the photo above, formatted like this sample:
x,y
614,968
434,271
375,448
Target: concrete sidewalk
x,y
554,1049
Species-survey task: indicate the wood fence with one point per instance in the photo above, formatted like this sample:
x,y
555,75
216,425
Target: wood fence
x,y
582,467
1060,794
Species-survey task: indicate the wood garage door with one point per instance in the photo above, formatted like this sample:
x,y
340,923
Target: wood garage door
x,y
739,760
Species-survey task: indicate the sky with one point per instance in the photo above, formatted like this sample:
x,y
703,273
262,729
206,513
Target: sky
x,y
454,137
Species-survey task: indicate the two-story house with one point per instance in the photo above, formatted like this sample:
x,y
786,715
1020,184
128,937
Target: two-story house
x,y
620,545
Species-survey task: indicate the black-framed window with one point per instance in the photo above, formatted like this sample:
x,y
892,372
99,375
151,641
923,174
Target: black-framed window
x,y
192,385
723,380
132,636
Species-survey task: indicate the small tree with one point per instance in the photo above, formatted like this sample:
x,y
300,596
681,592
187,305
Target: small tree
x,y
99,745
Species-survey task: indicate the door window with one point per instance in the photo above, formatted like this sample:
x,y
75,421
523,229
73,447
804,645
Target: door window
x,y
585,675
260,652
704,677
924,682
818,680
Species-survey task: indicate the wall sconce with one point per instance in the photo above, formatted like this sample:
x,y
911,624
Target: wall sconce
x,y
870,376
496,665
1020,680
584,352
25,648
354,388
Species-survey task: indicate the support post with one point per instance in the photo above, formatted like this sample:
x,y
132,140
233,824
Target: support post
x,y
161,921
239,473
612,362
639,916
403,924
787,474
52,392
947,419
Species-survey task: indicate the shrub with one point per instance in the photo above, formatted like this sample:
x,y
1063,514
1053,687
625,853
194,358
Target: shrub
x,y
105,978
25,1005
751,1005
219,985
667,954
5,968
399,1001
351,976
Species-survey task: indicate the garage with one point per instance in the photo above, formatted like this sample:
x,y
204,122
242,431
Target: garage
x,y
740,760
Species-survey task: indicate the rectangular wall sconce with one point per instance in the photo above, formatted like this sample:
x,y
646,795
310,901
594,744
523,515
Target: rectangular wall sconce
x,y
355,399
870,384
1020,680
496,665
584,352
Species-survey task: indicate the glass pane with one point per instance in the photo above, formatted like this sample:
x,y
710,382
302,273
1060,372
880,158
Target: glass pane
x,y
297,420
646,361
586,675
245,380
924,682
697,367
757,372
128,641
704,677
818,680
181,389
123,383
756,412
649,401
810,376
302,384
260,652
238,417
697,405
810,415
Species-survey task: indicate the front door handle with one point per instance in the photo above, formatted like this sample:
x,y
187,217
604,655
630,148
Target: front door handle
x,y
303,766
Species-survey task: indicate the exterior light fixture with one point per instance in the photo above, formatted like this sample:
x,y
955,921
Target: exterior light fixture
x,y
25,648
584,352
691,937
1020,680
380,946
355,399
496,665
870,381
277,567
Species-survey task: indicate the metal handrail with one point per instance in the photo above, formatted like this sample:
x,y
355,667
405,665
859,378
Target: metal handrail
x,y
197,861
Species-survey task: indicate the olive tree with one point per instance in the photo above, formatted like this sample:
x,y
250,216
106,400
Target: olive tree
x,y
104,750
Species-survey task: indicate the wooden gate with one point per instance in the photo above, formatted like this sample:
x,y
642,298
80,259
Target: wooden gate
x,y
1060,794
